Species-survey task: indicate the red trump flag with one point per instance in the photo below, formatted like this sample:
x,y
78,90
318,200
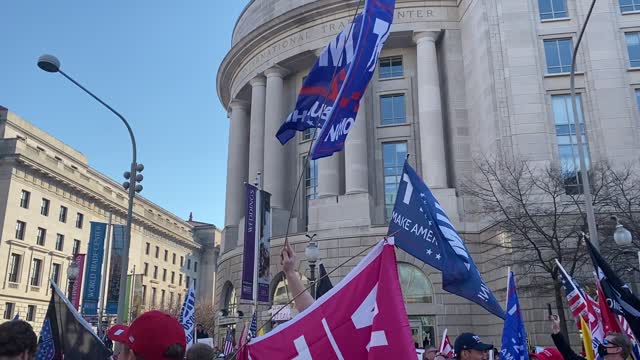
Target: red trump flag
x,y
362,317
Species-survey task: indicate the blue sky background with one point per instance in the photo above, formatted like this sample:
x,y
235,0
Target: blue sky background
x,y
153,61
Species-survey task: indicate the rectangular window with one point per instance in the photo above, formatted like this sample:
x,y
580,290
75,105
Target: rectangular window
x,y
195,282
393,157
59,242
173,277
170,299
174,259
566,136
24,199
41,237
391,67
195,266
20,229
629,5
637,91
31,313
166,255
76,246
155,272
144,294
188,281
558,54
552,9
8,310
63,214
157,251
164,274
153,297
146,249
311,179
633,47
79,220
44,207
14,268
162,293
188,264
146,269
308,133
181,261
180,280
36,271
55,273
392,109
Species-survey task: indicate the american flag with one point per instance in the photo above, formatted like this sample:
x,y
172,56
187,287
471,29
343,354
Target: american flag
x,y
445,347
253,327
228,344
634,343
575,298
46,346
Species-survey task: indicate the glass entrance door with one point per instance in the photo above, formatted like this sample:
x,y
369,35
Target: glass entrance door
x,y
423,330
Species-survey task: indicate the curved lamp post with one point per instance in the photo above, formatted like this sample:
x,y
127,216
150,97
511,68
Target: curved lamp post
x,y
73,271
50,63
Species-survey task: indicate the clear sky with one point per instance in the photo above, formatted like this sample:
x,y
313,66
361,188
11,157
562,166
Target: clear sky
x,y
153,61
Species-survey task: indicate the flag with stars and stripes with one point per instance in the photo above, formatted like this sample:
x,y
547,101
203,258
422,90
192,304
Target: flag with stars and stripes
x,y
228,344
421,227
575,298
253,327
46,345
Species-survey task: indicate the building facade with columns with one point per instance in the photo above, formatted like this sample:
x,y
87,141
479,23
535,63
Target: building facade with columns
x,y
49,195
457,79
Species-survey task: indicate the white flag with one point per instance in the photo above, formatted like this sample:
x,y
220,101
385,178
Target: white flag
x,y
188,314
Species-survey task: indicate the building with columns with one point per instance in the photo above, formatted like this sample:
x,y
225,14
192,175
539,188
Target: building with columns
x,y
49,195
457,79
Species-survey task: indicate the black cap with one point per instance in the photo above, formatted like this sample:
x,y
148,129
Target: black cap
x,y
467,341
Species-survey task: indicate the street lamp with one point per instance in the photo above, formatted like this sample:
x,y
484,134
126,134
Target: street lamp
x,y
312,252
50,63
621,236
72,274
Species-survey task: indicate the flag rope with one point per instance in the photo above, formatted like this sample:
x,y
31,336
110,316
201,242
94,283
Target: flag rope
x,y
309,287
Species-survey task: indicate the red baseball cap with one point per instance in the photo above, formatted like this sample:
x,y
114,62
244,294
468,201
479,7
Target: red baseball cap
x,y
151,334
549,353
118,333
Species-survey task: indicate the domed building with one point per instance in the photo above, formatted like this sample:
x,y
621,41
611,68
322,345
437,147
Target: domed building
x,y
457,79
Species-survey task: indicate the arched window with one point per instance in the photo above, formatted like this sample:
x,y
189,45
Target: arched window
x,y
416,287
281,293
230,299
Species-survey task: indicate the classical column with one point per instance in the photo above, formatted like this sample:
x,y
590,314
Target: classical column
x,y
275,162
329,176
355,155
256,139
432,150
237,162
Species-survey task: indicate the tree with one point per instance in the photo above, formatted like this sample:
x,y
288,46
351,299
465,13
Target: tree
x,y
538,212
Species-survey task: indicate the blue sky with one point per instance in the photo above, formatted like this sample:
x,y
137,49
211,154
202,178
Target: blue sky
x,y
153,61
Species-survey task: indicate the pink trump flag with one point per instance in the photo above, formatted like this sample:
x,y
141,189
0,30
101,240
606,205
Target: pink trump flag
x,y
362,317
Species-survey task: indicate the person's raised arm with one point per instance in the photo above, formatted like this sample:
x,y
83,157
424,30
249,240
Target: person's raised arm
x,y
560,342
288,262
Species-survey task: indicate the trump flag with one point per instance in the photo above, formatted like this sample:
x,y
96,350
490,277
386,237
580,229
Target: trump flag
x,y
330,96
362,317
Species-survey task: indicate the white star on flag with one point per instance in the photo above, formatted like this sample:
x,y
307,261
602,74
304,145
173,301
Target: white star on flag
x,y
429,252
438,256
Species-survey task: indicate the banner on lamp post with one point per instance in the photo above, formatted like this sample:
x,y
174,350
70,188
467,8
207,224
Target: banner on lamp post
x,y
115,269
94,258
77,286
248,261
264,249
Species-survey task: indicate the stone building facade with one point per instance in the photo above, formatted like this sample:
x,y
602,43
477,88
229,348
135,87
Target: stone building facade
x,y
48,197
457,79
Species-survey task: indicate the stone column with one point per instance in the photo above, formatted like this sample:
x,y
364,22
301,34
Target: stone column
x,y
275,162
355,155
329,176
256,139
432,150
237,162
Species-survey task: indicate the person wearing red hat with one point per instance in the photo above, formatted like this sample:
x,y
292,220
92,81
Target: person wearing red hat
x,y
549,353
153,335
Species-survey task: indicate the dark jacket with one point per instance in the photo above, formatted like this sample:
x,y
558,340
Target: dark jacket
x,y
564,348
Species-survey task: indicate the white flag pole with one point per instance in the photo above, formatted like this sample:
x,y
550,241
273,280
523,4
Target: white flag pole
x,y
444,337
258,233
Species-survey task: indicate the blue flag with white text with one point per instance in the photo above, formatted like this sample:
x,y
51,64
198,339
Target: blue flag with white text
x,y
330,96
514,335
421,227
188,315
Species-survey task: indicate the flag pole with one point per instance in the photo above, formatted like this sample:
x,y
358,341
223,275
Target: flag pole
x,y
105,272
256,248
444,337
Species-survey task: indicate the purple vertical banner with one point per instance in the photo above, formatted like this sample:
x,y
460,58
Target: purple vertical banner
x,y
248,261
264,254
115,269
77,286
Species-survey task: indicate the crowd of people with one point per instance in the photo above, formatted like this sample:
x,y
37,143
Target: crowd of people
x,y
155,335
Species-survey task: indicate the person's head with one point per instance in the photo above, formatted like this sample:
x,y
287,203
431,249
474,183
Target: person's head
x,y
614,346
440,356
549,353
429,353
118,334
18,341
200,352
469,347
154,335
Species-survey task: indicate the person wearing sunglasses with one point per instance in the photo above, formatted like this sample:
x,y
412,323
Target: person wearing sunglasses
x,y
614,346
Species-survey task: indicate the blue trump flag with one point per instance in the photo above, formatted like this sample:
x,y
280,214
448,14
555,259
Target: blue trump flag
x,y
421,228
514,336
330,96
